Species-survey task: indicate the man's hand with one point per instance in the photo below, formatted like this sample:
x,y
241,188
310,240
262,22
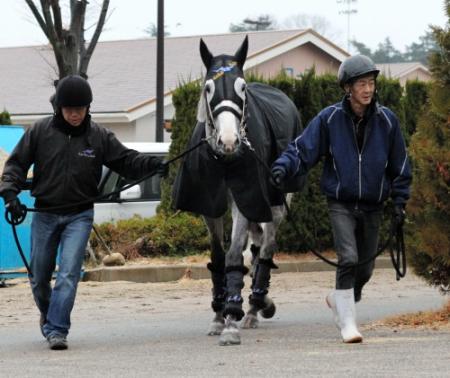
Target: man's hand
x,y
399,215
16,209
162,169
277,177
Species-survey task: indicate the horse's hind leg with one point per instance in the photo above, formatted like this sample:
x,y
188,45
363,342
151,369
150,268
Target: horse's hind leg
x,y
259,299
256,235
217,269
235,271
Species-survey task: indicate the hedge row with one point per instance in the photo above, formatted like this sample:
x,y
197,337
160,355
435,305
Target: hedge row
x,y
310,94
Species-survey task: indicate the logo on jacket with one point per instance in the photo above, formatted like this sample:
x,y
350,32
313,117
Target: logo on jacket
x,y
89,153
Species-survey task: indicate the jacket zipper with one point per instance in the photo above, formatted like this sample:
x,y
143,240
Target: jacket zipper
x,y
337,175
359,156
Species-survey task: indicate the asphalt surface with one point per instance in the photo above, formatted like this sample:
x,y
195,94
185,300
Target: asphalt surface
x,y
124,329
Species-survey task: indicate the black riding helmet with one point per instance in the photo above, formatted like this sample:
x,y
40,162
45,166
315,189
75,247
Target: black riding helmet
x,y
73,91
355,67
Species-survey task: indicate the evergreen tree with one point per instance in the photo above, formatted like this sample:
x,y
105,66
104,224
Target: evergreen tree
x,y
185,99
429,207
5,118
263,22
387,53
419,52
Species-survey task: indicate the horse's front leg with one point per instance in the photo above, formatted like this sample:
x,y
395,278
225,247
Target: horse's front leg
x,y
235,271
217,269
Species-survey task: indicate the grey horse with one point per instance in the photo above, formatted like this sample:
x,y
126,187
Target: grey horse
x,y
246,126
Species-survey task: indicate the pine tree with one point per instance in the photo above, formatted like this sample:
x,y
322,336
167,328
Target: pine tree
x,y
5,118
429,207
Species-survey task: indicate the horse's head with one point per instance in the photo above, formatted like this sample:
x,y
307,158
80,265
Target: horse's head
x,y
223,101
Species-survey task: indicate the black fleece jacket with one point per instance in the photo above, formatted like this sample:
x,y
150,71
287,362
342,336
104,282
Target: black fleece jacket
x,y
68,163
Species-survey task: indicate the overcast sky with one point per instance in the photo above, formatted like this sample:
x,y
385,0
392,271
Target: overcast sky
x,y
403,21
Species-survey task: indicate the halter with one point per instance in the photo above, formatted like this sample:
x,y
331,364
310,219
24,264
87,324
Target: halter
x,y
243,115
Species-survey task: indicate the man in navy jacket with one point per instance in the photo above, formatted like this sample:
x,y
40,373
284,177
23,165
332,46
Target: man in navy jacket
x,y
365,162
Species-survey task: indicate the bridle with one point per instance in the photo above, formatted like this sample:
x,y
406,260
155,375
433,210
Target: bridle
x,y
242,115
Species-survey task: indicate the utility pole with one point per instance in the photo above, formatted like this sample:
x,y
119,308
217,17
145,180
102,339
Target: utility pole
x,y
160,74
349,11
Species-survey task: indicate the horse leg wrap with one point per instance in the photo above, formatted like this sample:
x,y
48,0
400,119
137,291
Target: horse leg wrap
x,y
255,252
219,290
261,282
235,283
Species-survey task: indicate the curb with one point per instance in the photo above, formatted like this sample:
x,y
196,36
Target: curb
x,y
166,273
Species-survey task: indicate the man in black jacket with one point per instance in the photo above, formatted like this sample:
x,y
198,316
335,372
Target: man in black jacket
x,y
68,151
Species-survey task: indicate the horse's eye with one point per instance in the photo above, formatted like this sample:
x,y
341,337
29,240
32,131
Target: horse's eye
x,y
208,89
243,87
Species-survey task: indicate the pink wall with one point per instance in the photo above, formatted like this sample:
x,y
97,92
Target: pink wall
x,y
299,59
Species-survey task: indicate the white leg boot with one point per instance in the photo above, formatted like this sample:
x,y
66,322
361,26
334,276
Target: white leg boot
x,y
345,307
331,303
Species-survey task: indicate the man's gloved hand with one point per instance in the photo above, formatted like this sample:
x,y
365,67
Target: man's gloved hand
x,y
399,215
162,169
16,209
277,177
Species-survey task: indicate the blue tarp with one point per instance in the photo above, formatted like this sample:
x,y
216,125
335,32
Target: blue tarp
x,y
9,255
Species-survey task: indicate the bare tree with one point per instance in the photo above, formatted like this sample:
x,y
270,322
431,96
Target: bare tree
x,y
72,52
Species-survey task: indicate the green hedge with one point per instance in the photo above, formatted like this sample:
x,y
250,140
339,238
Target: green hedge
x,y
183,233
310,93
174,235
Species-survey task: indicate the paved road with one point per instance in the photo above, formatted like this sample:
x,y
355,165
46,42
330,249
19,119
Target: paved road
x,y
123,329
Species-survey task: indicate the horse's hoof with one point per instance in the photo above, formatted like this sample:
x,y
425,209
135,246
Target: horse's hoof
x,y
250,321
230,336
270,309
216,328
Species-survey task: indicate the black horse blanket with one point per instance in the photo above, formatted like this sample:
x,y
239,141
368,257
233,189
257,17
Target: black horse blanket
x,y
203,180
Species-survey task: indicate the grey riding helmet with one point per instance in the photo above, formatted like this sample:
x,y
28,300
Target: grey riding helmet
x,y
73,90
355,67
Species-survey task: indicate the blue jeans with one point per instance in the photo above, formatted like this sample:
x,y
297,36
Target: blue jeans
x,y
70,233
355,233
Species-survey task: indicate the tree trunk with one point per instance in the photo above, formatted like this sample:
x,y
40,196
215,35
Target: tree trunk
x,y
72,55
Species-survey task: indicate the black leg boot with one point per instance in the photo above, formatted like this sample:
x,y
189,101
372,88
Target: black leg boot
x,y
261,282
219,290
235,283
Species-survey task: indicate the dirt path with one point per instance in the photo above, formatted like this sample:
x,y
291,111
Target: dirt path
x,y
98,300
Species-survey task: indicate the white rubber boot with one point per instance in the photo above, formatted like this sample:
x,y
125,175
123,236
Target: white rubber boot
x,y
345,307
331,303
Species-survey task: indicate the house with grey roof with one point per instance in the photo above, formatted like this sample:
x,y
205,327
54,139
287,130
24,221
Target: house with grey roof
x,y
405,71
123,74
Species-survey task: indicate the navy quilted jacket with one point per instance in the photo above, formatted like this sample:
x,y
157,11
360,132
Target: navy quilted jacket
x,y
380,169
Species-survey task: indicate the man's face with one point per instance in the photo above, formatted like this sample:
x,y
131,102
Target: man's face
x,y
362,90
74,115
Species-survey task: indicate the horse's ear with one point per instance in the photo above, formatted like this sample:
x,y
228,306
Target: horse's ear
x,y
241,53
205,54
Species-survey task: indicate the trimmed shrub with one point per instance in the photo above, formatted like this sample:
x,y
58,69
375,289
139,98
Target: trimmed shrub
x,y
177,235
414,99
